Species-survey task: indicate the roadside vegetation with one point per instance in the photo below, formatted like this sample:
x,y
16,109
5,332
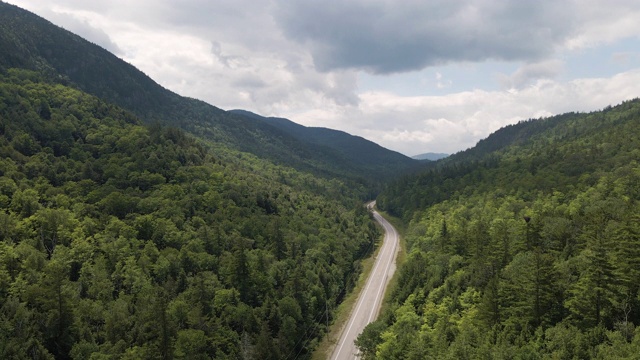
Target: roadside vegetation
x,y
525,247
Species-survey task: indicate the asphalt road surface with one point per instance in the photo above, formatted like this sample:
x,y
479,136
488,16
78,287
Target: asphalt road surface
x,y
368,305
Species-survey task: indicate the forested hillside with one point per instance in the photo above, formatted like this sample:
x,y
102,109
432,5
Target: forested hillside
x,y
527,246
120,241
372,158
30,42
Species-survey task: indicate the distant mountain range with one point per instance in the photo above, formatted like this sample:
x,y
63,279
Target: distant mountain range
x,y
430,156
30,42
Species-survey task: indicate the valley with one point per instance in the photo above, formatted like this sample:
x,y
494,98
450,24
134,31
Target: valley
x,y
370,299
136,223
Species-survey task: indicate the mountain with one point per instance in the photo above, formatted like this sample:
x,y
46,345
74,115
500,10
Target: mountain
x,y
430,156
368,156
30,42
527,245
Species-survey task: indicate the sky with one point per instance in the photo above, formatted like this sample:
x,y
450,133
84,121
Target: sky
x,y
414,76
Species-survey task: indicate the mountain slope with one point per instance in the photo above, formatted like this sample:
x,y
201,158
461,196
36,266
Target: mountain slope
x,y
371,157
35,44
124,241
565,147
525,246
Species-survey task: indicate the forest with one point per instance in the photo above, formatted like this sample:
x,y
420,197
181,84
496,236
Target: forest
x,y
125,241
524,247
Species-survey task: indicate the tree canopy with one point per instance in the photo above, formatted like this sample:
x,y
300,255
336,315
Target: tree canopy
x,y
119,240
523,247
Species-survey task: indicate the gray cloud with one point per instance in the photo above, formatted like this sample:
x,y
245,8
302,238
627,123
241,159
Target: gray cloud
x,y
96,36
84,29
250,82
386,37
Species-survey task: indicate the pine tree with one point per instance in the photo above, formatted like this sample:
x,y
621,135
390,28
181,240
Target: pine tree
x,y
594,293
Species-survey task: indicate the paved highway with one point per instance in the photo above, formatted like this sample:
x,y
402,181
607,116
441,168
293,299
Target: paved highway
x,y
370,299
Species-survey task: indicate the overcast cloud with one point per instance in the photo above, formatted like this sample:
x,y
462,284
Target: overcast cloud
x,y
385,36
413,76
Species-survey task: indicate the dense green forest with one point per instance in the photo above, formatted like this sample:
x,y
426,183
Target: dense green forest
x,y
525,247
123,241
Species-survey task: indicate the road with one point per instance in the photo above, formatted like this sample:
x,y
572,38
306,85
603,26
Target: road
x,y
368,305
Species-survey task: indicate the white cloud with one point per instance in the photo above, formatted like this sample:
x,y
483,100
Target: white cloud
x,y
441,82
600,22
453,122
529,73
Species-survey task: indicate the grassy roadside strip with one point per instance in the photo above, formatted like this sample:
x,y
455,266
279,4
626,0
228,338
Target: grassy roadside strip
x,y
323,351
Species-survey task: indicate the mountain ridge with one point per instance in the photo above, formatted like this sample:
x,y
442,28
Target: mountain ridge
x,y
352,147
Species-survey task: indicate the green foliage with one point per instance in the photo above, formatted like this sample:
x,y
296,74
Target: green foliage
x,y
364,157
523,247
132,242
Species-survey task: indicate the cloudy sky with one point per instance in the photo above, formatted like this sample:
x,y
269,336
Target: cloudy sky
x,y
414,75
